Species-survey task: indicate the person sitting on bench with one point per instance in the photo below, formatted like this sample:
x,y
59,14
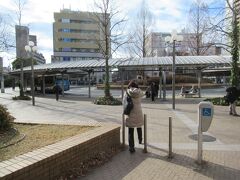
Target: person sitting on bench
x,y
193,90
183,91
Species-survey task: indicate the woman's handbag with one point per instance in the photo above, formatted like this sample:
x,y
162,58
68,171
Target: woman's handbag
x,y
129,105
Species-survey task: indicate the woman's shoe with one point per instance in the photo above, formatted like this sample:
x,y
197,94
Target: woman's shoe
x,y
132,150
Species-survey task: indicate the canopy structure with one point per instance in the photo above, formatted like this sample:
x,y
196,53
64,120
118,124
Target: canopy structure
x,y
164,62
196,63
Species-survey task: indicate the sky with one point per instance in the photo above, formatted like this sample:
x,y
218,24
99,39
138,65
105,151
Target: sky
x,y
38,16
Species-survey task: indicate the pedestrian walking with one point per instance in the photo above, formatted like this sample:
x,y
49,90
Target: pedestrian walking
x,y
156,89
153,91
232,97
13,84
57,91
135,118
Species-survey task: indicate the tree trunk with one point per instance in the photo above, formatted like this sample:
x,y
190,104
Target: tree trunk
x,y
22,79
235,52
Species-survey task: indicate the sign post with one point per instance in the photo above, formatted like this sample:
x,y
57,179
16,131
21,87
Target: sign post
x,y
205,115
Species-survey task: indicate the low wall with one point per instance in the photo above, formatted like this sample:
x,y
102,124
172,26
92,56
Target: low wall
x,y
52,160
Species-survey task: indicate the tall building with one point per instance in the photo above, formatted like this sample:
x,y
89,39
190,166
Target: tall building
x,y
22,36
157,46
76,36
22,39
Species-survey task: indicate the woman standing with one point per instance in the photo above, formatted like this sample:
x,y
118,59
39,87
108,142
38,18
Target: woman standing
x,y
135,118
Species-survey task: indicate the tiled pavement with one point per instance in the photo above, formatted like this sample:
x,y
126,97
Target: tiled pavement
x,y
221,153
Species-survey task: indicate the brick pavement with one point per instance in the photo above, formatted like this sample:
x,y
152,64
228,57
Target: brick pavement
x,y
222,153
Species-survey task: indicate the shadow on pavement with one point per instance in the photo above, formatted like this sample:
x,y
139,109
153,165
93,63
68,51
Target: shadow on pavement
x,y
127,165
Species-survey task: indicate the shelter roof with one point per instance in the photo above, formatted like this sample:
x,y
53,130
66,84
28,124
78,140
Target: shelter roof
x,y
84,65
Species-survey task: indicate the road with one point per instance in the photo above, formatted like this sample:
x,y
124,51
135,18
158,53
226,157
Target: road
x,y
83,91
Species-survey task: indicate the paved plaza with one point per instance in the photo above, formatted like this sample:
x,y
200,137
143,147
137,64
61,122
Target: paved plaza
x,y
221,147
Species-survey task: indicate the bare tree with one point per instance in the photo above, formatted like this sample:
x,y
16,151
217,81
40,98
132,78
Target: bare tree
x,y
140,35
20,5
112,37
228,27
199,38
3,36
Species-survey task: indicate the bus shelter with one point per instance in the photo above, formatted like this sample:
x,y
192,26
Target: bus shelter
x,y
195,64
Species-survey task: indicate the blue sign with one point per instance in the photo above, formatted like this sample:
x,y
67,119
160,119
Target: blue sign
x,y
206,111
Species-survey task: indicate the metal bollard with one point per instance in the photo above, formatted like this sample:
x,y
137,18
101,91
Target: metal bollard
x,y
170,138
123,131
145,133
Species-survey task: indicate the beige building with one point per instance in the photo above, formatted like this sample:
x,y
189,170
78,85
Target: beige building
x,y
76,36
157,46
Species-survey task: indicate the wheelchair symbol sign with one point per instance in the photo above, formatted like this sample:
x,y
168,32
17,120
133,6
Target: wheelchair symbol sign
x,y
206,112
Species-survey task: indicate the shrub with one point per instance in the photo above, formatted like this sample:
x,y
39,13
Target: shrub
x,y
220,101
107,101
5,118
27,98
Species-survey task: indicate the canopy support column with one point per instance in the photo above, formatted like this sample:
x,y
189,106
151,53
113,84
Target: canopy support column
x,y
89,84
160,83
43,85
199,74
62,85
164,85
122,84
2,83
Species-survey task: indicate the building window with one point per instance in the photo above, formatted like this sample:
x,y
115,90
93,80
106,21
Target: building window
x,y
66,49
66,58
65,30
65,20
66,39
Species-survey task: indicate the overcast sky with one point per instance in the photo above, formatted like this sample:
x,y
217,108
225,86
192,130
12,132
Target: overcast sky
x,y
38,16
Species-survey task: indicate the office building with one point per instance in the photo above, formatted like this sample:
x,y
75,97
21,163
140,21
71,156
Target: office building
x,y
157,46
77,36
22,39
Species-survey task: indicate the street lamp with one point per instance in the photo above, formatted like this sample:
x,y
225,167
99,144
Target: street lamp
x,y
30,48
172,39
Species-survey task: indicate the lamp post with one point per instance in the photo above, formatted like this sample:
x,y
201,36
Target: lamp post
x,y
30,48
172,39
1,75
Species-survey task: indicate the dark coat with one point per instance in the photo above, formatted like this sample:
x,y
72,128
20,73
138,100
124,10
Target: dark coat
x,y
232,94
153,90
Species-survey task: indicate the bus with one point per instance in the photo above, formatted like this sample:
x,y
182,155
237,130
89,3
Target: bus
x,y
50,83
